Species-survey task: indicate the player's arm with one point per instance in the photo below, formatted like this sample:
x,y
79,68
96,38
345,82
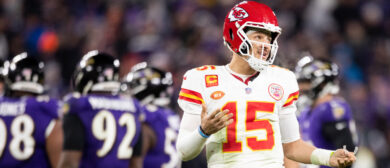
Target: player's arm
x,y
302,155
290,164
195,129
137,158
297,150
289,129
303,152
189,142
149,138
73,141
196,125
54,141
144,144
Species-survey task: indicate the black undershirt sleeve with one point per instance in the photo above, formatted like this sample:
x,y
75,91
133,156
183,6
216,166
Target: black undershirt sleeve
x,y
73,132
138,146
339,134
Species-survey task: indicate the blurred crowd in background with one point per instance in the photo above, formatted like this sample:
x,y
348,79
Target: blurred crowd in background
x,y
177,35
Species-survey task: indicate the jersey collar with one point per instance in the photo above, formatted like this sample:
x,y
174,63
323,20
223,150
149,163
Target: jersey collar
x,y
246,81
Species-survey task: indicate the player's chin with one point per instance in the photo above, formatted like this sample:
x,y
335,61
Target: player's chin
x,y
264,57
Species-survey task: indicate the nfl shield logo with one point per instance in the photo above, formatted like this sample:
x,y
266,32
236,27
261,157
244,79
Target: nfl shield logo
x,y
275,91
248,90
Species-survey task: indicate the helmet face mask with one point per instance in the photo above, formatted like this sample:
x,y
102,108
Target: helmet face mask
x,y
260,54
250,15
97,72
149,84
24,73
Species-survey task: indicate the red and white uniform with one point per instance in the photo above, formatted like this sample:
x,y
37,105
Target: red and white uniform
x,y
258,104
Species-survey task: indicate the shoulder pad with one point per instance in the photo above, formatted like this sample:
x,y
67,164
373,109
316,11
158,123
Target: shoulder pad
x,y
205,67
72,95
43,98
203,70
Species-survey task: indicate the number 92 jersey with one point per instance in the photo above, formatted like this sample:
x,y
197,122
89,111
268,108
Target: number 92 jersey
x,y
254,138
110,128
25,124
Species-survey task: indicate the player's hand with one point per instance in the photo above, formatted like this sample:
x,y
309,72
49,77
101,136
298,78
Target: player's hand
x,y
342,158
214,122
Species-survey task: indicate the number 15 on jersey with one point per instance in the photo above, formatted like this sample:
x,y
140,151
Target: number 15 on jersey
x,y
231,144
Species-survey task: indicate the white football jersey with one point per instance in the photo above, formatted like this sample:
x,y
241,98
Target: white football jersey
x,y
253,139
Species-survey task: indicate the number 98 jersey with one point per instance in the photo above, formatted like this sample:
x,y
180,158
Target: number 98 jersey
x,y
24,125
254,138
110,128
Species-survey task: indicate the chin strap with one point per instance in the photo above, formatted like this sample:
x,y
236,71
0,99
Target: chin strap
x,y
255,64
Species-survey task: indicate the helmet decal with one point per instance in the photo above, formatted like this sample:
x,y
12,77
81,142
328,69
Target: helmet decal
x,y
237,13
109,73
149,85
27,73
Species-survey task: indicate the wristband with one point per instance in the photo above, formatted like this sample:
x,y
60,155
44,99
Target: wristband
x,y
202,133
321,157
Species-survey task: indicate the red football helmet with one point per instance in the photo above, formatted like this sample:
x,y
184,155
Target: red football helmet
x,y
250,14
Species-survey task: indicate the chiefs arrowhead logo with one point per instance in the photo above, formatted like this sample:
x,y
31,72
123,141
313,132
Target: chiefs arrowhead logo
x,y
237,13
275,91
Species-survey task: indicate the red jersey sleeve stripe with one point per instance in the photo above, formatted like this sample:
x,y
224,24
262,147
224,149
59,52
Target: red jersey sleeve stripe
x,y
190,100
190,96
291,98
191,92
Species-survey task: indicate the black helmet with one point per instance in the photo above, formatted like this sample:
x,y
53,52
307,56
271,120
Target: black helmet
x,y
149,84
321,74
97,72
24,73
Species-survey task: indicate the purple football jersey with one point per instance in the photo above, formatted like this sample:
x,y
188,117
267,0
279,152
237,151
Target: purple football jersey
x,y
111,126
165,124
24,124
311,121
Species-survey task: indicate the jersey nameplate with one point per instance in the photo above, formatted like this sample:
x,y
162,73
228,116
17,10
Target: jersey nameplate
x,y
12,109
103,103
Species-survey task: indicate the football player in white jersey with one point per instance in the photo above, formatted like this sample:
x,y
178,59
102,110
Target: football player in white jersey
x,y
244,112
